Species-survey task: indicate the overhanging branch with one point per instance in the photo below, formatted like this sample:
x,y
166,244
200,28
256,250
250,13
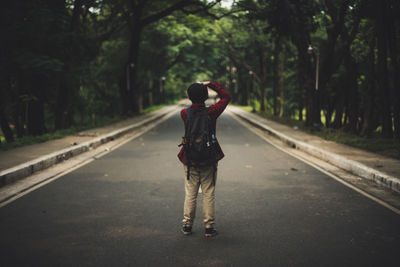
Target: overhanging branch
x,y
163,13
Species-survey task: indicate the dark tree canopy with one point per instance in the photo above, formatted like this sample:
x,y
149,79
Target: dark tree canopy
x,y
329,63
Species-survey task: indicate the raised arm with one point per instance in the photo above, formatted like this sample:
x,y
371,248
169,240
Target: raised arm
x,y
217,109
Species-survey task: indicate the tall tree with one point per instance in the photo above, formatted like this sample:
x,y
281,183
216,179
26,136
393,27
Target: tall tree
x,y
382,22
141,13
393,45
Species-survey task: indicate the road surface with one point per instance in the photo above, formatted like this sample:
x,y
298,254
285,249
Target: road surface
x,y
125,208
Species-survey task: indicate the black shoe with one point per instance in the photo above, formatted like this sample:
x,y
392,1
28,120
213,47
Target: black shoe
x,y
187,230
210,232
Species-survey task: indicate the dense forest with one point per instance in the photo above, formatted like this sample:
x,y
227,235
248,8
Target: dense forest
x,y
329,63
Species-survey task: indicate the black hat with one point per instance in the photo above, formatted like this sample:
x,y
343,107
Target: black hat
x,y
197,93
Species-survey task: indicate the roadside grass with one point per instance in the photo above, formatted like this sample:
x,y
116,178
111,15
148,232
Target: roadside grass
x,y
99,122
389,147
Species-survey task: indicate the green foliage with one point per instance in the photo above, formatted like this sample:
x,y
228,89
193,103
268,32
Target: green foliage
x,y
375,143
73,60
39,64
100,84
98,122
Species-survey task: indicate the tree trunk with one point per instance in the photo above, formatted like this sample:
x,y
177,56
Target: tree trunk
x,y
305,82
281,85
383,79
263,73
5,127
136,24
352,95
396,69
150,93
19,113
4,86
276,73
64,102
140,102
262,97
304,72
36,117
330,56
35,120
64,117
122,93
19,120
338,122
369,107
62,106
301,107
316,93
135,30
339,108
328,118
244,93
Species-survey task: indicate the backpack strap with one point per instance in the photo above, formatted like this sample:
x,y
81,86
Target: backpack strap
x,y
189,116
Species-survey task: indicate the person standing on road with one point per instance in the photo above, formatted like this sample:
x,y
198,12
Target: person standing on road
x,y
202,175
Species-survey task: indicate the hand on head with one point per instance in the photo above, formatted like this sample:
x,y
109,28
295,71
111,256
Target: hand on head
x,y
198,92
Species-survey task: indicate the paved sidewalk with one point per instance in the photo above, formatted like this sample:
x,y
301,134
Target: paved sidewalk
x,y
371,166
21,162
383,170
19,155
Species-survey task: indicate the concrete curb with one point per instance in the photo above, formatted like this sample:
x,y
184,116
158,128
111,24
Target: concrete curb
x,y
349,165
26,169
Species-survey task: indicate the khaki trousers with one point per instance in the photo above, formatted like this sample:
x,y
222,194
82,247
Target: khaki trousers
x,y
204,177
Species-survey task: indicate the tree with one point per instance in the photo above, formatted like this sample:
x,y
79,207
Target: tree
x,y
382,21
139,15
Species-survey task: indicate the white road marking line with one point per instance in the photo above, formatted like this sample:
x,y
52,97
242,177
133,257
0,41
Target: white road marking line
x,y
43,183
337,178
32,187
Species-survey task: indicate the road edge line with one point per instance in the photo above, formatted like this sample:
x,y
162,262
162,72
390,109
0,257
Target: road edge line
x,y
348,165
335,177
21,171
7,200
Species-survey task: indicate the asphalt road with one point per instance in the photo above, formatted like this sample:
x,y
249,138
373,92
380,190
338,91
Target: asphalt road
x,y
125,208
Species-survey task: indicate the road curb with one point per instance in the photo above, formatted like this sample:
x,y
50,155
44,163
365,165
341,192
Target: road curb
x,y
26,169
349,165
